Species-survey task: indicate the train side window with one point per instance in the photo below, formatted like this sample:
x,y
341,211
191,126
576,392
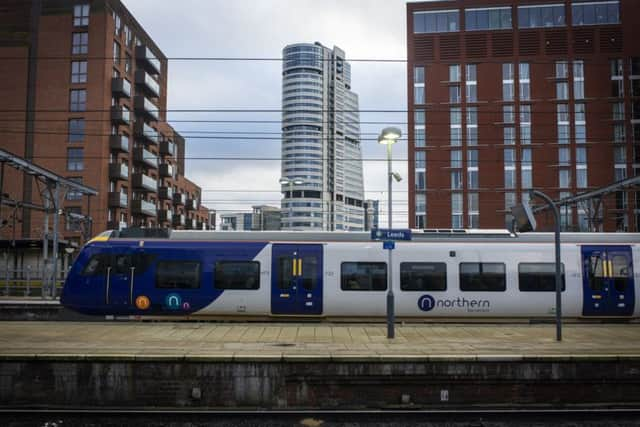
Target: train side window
x,y
122,264
96,265
539,277
178,275
620,266
423,276
482,277
309,272
596,273
363,276
243,275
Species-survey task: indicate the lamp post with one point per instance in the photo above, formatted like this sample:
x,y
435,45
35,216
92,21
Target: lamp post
x,y
388,137
290,183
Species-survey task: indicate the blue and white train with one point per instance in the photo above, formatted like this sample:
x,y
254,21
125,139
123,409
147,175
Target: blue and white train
x,y
481,274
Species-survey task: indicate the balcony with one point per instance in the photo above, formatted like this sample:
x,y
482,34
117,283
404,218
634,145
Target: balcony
x,y
142,207
120,87
145,157
179,220
116,225
147,83
191,204
120,115
119,143
144,182
147,59
167,170
165,193
144,106
118,200
165,215
118,171
168,148
179,199
191,224
146,132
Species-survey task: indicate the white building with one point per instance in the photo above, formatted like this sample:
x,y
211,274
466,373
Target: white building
x,y
321,141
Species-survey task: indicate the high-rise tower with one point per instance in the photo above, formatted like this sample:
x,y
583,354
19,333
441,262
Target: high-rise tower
x,y
322,159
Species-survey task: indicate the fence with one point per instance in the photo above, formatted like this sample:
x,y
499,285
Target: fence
x,y
30,282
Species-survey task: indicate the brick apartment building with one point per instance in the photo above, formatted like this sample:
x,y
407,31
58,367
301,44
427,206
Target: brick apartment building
x,y
509,95
84,94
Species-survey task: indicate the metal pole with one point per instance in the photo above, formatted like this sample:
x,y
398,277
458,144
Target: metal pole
x,y
45,247
391,333
556,215
56,222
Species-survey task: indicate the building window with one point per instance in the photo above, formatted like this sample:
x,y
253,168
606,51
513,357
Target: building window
x,y
564,178
581,167
419,128
564,156
418,85
127,63
436,22
472,125
178,275
596,13
421,221
80,15
472,169
78,100
482,277
423,276
578,79
76,130
240,275
73,223
472,83
525,82
498,18
509,168
74,194
456,159
80,43
78,71
617,78
507,82
116,53
455,118
526,166
541,16
421,183
420,160
128,36
421,204
363,276
562,91
562,70
525,124
474,210
580,124
75,159
456,210
118,24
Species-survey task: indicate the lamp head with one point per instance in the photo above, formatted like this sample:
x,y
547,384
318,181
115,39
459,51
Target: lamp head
x,y
396,176
284,181
389,135
298,182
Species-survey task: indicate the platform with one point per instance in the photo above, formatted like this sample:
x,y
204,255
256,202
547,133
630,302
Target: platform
x,y
345,366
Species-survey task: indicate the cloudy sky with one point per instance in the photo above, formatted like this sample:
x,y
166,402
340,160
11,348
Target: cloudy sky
x,y
364,29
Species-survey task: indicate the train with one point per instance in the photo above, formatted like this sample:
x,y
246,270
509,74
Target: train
x,y
438,274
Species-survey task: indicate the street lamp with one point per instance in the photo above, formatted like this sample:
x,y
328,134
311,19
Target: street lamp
x,y
388,137
290,183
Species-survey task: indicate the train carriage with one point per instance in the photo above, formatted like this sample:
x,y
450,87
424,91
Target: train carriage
x,y
471,274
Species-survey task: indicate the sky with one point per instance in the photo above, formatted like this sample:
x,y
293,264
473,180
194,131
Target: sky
x,y
364,29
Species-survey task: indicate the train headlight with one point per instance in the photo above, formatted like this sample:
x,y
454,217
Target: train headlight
x,y
142,302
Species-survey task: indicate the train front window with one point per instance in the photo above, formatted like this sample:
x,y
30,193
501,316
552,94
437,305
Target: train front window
x,y
363,276
539,277
423,276
482,277
96,265
243,275
178,275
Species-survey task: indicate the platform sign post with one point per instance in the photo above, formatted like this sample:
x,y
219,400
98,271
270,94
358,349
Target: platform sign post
x,y
389,236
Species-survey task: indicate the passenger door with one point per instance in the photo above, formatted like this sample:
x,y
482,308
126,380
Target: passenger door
x,y
608,281
120,278
296,279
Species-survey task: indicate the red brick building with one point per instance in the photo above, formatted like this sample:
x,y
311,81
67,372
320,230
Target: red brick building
x,y
509,95
84,92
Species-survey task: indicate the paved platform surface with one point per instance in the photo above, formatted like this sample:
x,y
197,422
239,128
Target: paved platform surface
x,y
309,342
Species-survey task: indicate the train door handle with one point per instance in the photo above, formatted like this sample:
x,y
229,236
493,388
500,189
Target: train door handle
x,y
133,270
108,284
